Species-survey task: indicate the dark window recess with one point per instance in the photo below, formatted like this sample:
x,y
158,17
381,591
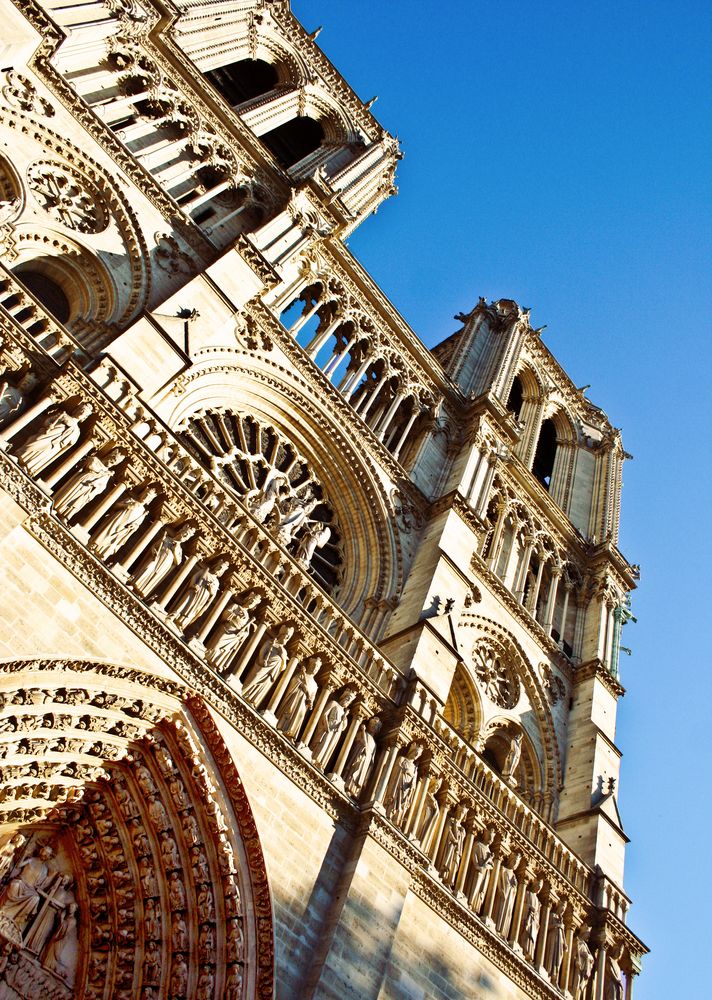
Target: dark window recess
x,y
545,454
516,397
243,80
48,292
294,140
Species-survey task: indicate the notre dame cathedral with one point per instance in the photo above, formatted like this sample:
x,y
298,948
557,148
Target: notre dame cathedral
x,y
310,635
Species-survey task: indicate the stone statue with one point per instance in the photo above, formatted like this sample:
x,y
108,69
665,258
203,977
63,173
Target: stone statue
x,y
271,661
13,398
9,851
507,886
361,757
88,483
165,553
21,897
531,918
615,983
404,784
330,726
261,501
201,589
127,517
454,844
57,435
233,630
431,811
57,957
315,536
299,699
556,943
293,513
513,757
582,962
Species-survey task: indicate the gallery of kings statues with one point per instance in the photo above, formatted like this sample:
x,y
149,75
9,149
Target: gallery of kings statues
x,y
309,635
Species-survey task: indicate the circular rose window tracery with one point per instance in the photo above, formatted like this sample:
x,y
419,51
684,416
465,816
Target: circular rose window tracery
x,y
67,196
274,482
497,677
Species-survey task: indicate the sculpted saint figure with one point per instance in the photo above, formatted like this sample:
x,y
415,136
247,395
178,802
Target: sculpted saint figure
x,y
9,851
165,553
556,942
20,897
57,956
507,885
271,661
233,630
513,757
454,844
57,435
330,726
12,398
582,960
615,984
361,757
293,513
299,698
315,536
261,501
532,916
89,482
201,589
431,812
406,777
127,517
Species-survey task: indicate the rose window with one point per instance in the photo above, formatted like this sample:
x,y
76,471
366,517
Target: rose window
x,y
498,679
274,482
67,197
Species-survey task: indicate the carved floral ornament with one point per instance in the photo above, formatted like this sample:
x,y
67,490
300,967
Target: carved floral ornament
x,y
67,196
133,865
496,675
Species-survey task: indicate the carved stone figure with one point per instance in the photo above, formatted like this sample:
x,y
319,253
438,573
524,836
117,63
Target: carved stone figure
x,y
315,536
406,777
454,844
271,661
179,976
13,398
58,955
126,518
233,983
361,757
179,932
507,893
201,590
21,897
615,983
176,892
513,757
582,962
530,919
56,898
299,698
330,726
88,483
157,813
556,943
10,850
232,631
293,513
57,435
165,553
431,811
261,501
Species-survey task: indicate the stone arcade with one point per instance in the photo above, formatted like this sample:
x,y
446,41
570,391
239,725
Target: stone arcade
x,y
310,635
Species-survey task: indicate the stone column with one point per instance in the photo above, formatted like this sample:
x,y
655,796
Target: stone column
x,y
238,667
551,599
491,892
327,690
521,579
90,521
223,599
540,953
179,579
140,546
406,431
385,423
471,829
516,926
269,713
318,341
384,770
358,716
76,454
27,417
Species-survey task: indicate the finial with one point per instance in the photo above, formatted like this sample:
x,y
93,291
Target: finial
x,y
315,33
584,388
369,104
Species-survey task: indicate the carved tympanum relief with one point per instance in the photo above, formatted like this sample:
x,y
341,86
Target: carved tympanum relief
x,y
128,853
274,482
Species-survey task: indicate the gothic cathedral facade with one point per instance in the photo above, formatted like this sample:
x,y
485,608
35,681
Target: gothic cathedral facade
x,y
310,635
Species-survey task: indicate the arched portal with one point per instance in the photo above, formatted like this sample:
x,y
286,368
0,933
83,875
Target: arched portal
x,y
129,860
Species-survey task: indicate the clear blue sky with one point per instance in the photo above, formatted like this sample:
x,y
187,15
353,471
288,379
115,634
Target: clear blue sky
x,y
559,154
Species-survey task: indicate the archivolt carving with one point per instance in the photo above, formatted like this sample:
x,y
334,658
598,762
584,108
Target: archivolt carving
x,y
133,865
